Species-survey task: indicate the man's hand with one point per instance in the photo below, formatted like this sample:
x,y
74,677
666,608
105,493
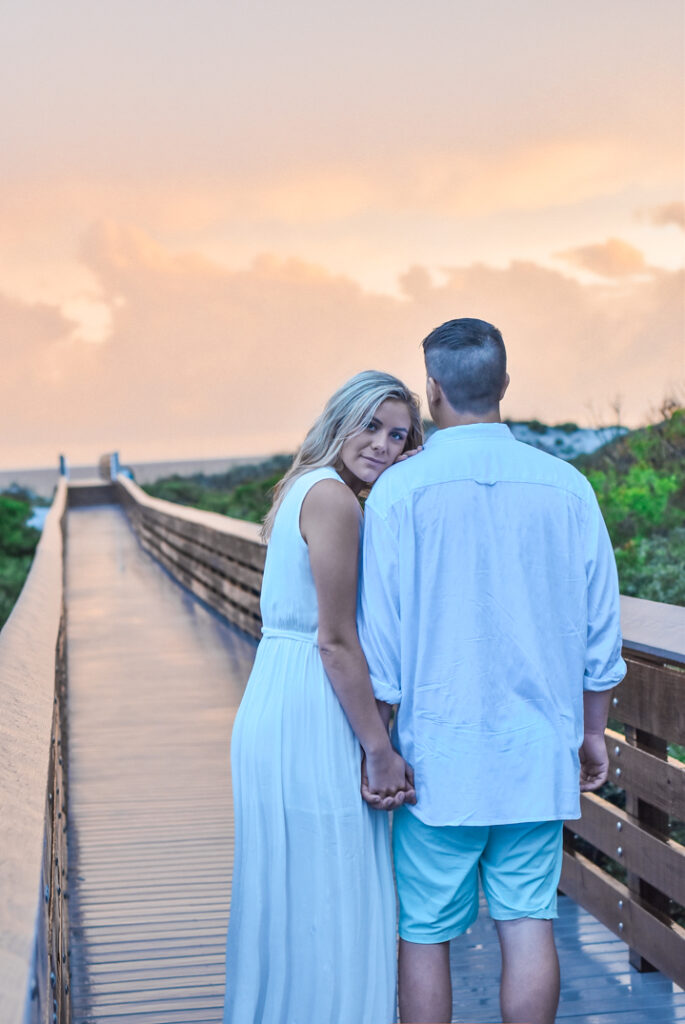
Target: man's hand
x,y
385,799
594,762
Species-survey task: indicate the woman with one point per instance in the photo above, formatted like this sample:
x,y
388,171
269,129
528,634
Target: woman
x,y
311,938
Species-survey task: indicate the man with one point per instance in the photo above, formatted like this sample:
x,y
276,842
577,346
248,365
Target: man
x,y
490,616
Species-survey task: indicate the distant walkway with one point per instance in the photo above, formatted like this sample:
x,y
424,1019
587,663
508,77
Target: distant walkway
x,y
155,680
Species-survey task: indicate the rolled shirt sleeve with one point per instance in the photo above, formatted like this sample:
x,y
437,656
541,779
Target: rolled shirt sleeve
x,y
379,615
604,666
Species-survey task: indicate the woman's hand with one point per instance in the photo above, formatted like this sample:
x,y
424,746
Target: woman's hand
x,y
387,781
408,455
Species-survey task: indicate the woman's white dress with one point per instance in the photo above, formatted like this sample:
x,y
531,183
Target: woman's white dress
x,y
311,938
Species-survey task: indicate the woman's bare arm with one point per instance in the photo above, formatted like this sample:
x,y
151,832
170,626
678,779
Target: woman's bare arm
x,y
329,523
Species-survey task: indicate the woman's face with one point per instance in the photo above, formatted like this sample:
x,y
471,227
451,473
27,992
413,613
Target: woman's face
x,y
366,455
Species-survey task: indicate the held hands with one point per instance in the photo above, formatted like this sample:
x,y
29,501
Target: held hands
x,y
594,762
387,781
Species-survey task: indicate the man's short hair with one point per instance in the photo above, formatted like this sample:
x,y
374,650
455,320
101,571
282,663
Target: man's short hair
x,y
468,360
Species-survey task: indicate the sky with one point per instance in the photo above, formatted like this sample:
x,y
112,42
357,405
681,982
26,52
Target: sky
x,y
215,213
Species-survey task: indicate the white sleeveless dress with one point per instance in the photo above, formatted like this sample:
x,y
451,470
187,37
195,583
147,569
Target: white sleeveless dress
x,y
311,938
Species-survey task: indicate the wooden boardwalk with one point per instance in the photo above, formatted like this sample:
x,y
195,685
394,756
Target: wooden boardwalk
x,y
154,682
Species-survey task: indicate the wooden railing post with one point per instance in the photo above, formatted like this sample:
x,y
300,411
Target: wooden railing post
x,y
654,819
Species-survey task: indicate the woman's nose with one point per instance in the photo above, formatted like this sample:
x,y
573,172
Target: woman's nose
x,y
380,441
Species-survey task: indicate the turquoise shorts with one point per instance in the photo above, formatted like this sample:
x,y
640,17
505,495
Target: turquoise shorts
x,y
437,869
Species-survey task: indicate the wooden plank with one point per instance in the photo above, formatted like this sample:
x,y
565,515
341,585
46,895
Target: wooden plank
x,y
126,988
659,940
659,782
250,553
183,1016
219,563
655,821
240,596
659,862
652,698
160,997
234,545
172,967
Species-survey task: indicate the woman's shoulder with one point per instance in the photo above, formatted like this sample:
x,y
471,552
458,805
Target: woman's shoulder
x,y
330,510
330,491
307,480
320,489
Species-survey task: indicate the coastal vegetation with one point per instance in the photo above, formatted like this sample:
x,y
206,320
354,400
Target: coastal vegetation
x,y
242,492
18,543
639,480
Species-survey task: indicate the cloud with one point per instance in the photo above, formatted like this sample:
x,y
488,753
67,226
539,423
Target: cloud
x,y
301,190
667,213
32,334
205,360
613,258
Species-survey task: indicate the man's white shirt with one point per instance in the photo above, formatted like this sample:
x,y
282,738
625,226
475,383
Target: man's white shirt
x,y
489,602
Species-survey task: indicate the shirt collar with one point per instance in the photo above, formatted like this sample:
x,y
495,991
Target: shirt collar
x,y
469,431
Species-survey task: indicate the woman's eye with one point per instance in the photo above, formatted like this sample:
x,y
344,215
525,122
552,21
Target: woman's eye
x,y
371,426
398,437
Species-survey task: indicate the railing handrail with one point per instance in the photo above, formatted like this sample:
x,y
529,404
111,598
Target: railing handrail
x,y
27,691
212,520
654,628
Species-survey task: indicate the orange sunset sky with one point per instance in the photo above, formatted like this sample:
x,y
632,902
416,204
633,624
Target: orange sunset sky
x,y
215,212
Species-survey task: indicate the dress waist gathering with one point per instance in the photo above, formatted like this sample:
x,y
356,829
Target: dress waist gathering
x,y
269,633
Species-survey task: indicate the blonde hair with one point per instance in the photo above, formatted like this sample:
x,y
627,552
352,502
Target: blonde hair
x,y
346,413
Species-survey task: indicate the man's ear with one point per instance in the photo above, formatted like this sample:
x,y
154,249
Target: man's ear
x,y
506,385
433,391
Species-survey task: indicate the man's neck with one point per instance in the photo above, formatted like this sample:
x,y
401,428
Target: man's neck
x,y
452,418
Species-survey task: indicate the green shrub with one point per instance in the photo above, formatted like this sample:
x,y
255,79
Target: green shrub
x,y
653,567
639,480
636,503
243,492
17,546
16,538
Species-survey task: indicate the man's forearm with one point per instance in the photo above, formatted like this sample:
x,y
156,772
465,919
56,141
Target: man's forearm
x,y
596,710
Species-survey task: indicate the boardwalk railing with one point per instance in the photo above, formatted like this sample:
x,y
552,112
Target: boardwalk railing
x,y
219,559
637,888
34,961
